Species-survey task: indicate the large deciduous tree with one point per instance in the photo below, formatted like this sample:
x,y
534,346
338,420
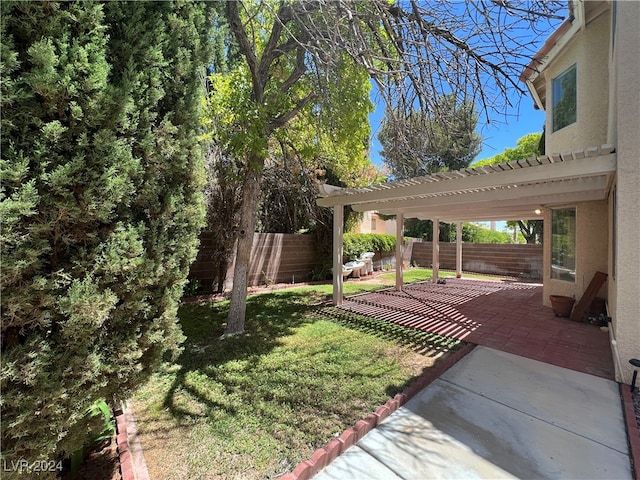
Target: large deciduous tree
x,y
101,204
416,53
332,132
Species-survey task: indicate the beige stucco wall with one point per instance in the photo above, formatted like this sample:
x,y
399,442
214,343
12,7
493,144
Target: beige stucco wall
x,y
589,51
382,226
591,251
624,288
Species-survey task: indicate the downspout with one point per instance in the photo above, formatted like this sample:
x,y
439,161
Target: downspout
x,y
614,350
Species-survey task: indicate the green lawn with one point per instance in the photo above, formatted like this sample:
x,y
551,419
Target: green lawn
x,y
255,405
422,274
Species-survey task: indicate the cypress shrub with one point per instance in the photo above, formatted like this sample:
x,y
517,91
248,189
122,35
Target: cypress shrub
x,y
101,204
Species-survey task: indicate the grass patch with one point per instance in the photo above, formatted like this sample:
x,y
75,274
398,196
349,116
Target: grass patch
x,y
255,405
422,274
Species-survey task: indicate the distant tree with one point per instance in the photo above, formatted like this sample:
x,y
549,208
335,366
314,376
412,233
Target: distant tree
x,y
471,232
101,204
428,142
526,146
416,228
531,230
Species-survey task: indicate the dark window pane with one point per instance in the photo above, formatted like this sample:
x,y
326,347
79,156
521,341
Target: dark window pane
x,y
563,244
564,99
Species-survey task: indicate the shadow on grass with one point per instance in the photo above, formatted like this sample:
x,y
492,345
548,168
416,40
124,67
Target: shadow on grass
x,y
256,402
269,318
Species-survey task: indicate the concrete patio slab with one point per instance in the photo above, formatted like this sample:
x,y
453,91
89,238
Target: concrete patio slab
x,y
496,415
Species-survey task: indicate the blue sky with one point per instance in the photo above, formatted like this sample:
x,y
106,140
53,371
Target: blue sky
x,y
503,132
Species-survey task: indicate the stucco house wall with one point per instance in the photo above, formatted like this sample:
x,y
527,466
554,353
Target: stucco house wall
x,y
592,243
589,51
608,111
624,279
369,219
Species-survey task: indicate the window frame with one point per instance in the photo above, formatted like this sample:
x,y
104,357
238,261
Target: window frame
x,y
558,95
558,270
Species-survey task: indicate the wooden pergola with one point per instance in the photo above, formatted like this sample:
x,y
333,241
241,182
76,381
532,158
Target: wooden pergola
x,y
518,190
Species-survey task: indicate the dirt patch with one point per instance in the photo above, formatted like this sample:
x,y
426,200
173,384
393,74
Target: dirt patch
x,y
102,463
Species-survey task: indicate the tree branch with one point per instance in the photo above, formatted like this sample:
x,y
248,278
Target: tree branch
x,y
282,120
300,69
246,48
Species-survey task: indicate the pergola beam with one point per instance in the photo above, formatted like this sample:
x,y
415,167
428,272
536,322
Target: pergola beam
x,y
590,166
511,192
459,250
521,209
399,251
435,255
338,226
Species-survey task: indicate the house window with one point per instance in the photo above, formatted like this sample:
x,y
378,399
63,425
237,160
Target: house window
x,y
373,224
563,244
564,99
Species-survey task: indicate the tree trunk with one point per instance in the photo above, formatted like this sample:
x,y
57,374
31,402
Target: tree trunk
x,y
246,229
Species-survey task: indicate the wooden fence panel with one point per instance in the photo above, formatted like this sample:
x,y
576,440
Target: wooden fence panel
x,y
289,258
275,258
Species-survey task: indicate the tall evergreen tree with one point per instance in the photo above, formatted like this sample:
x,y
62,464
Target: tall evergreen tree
x,y
427,142
101,204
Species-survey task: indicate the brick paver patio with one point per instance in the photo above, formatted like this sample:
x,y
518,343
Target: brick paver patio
x,y
505,316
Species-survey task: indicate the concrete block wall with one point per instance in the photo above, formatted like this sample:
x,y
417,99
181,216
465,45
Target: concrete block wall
x,y
499,259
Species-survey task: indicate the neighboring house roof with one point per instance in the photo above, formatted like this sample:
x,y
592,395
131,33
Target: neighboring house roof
x,y
511,190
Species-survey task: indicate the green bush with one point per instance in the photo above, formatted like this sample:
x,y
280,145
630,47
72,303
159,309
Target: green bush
x,y
355,244
101,205
476,234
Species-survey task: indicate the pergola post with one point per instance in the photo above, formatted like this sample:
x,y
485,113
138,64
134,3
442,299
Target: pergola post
x,y
436,249
399,250
338,226
459,250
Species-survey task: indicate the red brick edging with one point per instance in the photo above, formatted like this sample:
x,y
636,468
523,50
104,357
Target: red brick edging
x,y
122,440
324,456
633,432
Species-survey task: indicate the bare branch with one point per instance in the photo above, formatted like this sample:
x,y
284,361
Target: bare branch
x,y
417,50
246,47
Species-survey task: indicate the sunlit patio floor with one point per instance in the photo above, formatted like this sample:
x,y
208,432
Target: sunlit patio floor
x,y
506,316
